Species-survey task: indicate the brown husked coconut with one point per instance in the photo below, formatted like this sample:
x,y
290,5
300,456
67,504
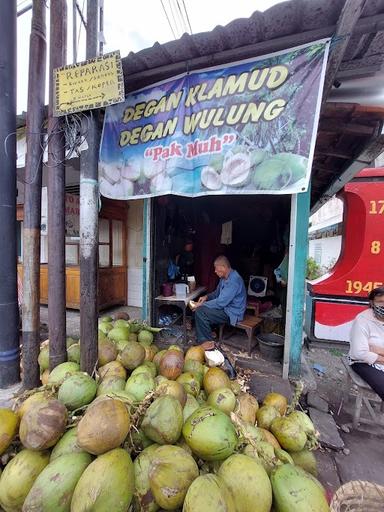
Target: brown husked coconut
x,y
43,425
104,426
171,364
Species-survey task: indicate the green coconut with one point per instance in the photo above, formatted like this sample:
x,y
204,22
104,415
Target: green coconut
x,y
110,385
171,472
77,390
202,397
55,485
105,327
264,453
252,492
209,493
9,422
132,336
101,336
284,456
145,337
306,460
144,499
69,341
107,484
43,425
193,366
159,379
73,353
294,489
105,318
134,326
176,347
120,345
120,322
246,407
289,434
113,369
104,426
146,367
140,385
119,333
172,388
303,421
190,383
235,386
107,352
62,372
139,441
66,444
191,405
265,415
224,399
163,420
210,434
43,358
18,477
133,355
254,433
215,378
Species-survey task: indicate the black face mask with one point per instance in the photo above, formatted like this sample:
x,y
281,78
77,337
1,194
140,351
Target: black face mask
x,y
378,311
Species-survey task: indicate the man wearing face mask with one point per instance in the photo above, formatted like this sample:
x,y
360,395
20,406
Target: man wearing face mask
x,y
367,342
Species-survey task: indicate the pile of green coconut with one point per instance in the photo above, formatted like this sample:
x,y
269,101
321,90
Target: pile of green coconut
x,y
153,430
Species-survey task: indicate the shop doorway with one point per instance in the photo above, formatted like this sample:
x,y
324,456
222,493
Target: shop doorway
x,y
252,231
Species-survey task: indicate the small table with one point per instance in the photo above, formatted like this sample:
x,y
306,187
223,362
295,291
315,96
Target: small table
x,y
180,302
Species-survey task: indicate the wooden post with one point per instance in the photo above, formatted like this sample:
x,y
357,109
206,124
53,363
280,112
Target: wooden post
x,y
297,267
56,194
32,196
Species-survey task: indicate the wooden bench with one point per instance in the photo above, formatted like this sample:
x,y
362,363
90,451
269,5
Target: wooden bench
x,y
249,324
364,396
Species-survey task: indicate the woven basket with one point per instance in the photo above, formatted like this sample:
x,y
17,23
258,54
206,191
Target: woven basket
x,y
358,496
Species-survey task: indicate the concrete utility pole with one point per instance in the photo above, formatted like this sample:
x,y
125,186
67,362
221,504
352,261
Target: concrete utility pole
x,y
56,194
32,195
89,225
9,313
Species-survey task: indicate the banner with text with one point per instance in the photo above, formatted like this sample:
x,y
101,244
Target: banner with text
x,y
248,128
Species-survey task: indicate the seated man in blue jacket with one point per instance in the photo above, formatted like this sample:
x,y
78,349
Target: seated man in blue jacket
x,y
226,305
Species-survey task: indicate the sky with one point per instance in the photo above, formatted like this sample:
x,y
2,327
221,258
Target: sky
x,y
132,29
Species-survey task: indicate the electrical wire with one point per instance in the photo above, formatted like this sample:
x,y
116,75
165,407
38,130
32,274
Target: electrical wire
x,y
74,129
182,17
169,21
176,24
186,14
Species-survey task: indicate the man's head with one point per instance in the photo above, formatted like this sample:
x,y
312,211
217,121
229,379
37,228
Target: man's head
x,y
376,301
222,267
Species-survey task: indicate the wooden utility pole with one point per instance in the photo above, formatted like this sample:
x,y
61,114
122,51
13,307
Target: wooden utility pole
x,y
89,225
56,194
9,315
32,195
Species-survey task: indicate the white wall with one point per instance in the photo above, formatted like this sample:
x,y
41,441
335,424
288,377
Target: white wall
x,y
325,251
135,252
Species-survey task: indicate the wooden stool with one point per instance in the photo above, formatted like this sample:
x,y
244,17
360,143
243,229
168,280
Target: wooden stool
x,y
249,325
364,396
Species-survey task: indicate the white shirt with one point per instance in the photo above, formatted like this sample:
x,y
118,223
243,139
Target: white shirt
x,y
366,330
